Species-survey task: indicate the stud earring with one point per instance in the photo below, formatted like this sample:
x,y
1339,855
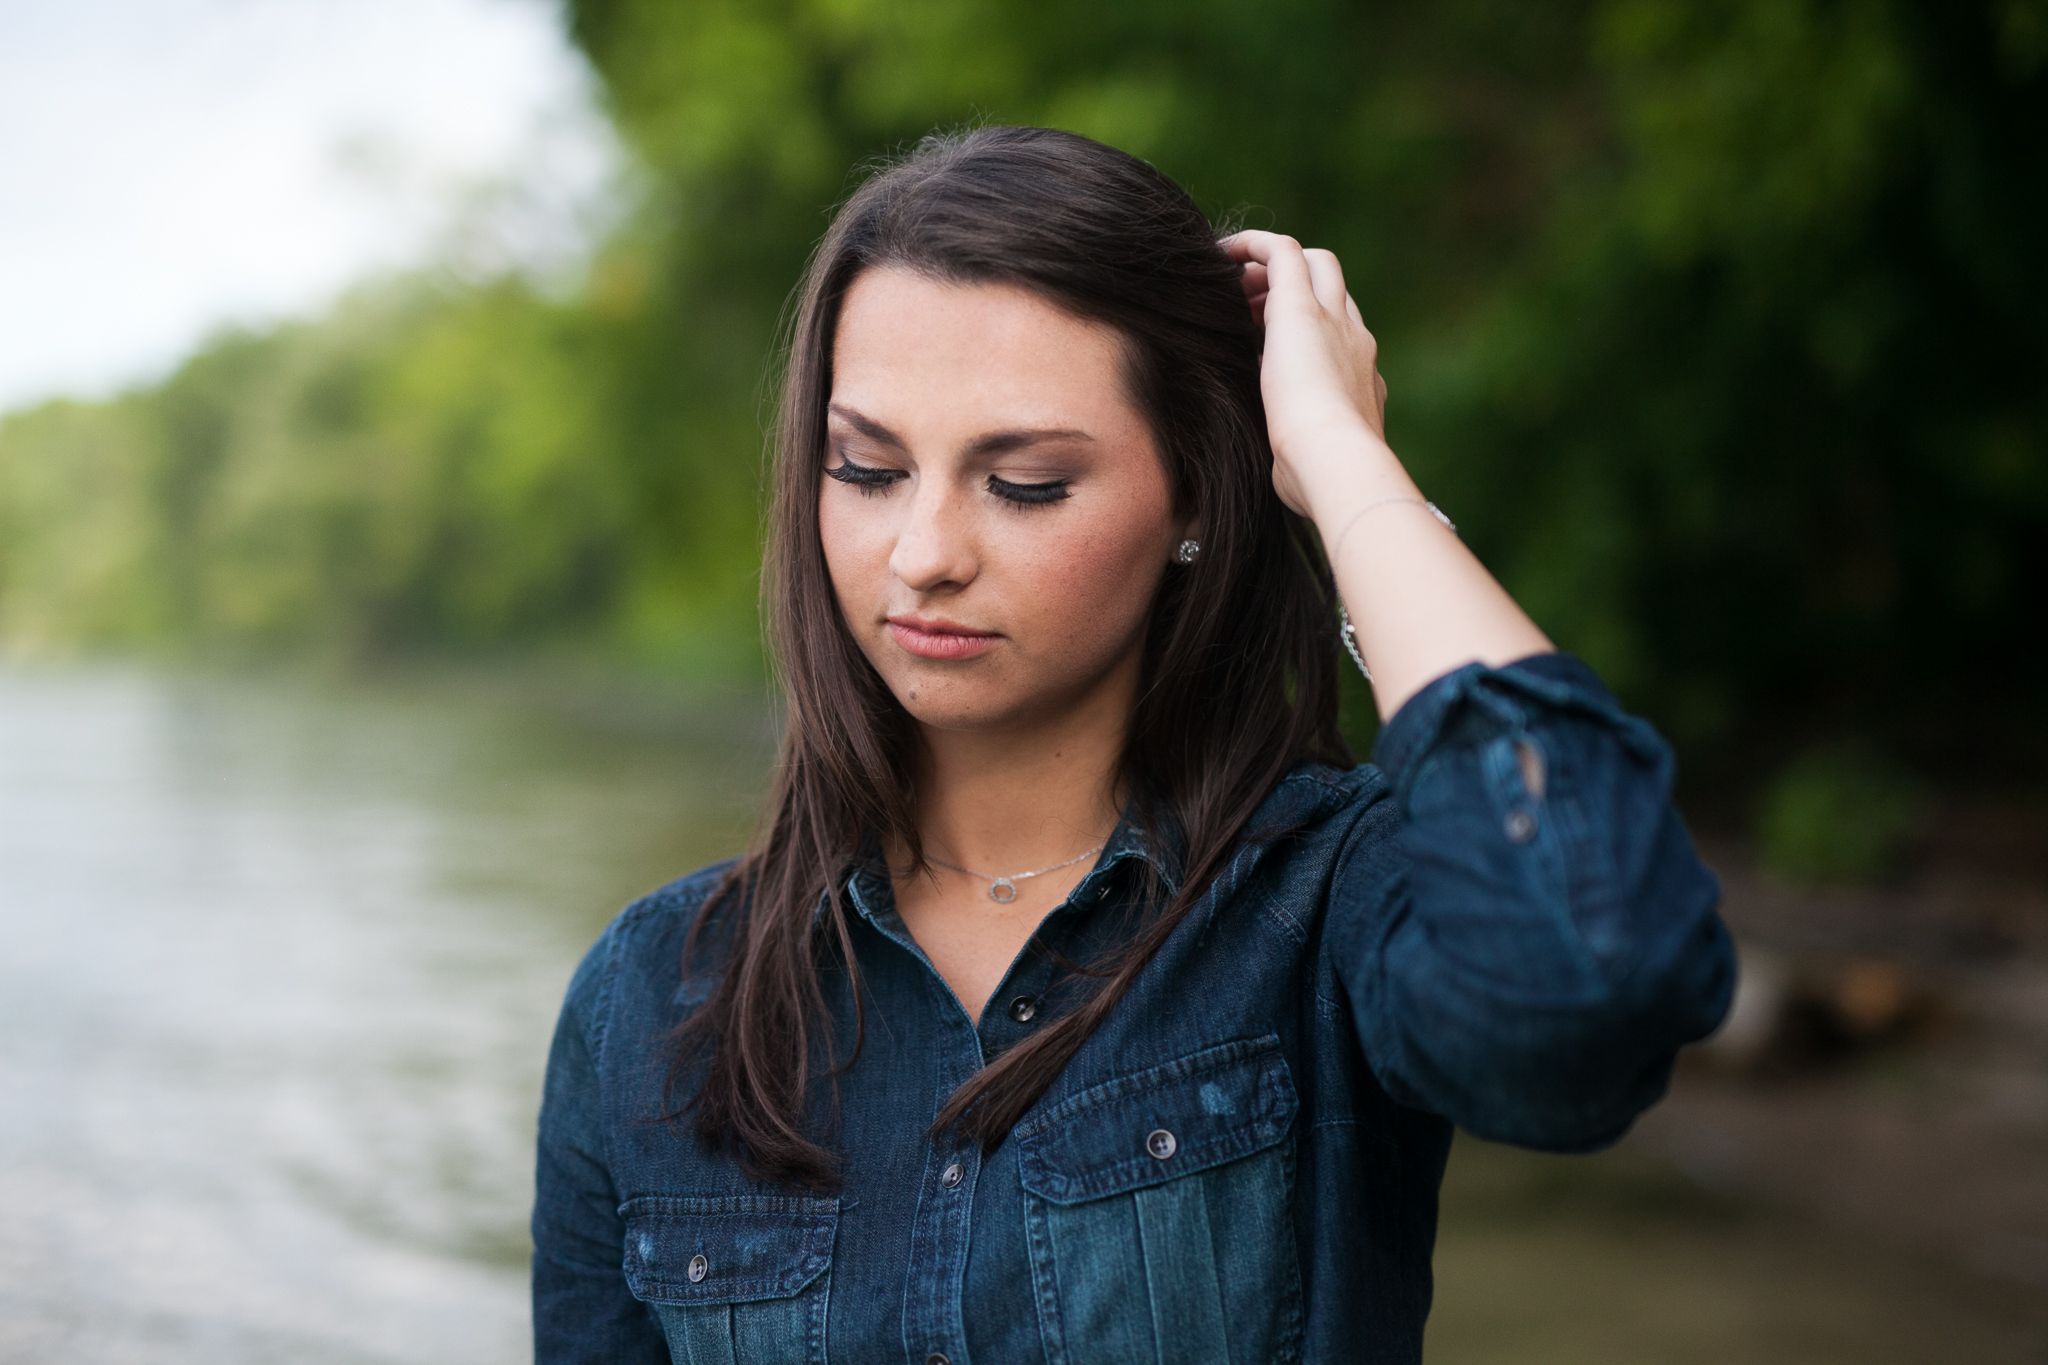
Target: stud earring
x,y
1187,552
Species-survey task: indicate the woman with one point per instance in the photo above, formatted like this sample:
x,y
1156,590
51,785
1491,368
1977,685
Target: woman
x,y
1083,1001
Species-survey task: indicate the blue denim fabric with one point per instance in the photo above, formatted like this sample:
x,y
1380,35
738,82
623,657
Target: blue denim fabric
x,y
1501,925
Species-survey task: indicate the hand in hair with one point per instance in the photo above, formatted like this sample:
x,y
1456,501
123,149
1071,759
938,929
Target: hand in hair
x,y
1320,376
1422,603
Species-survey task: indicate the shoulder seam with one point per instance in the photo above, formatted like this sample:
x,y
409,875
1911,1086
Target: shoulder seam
x,y
682,896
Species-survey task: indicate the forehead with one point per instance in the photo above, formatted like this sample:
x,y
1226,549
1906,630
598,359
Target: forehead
x,y
994,350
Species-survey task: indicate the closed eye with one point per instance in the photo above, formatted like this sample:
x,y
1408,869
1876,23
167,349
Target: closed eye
x,y
866,477
1028,494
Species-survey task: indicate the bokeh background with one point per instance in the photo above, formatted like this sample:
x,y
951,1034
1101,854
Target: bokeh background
x,y
379,497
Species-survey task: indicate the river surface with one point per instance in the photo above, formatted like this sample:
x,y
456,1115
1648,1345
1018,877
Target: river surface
x,y
278,967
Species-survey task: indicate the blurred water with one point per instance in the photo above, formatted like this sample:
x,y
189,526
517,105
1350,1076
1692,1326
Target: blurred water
x,y
278,967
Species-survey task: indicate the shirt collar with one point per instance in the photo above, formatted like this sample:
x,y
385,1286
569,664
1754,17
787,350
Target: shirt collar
x,y
869,888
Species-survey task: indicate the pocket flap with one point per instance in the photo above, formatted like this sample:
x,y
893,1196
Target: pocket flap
x,y
1209,1107
701,1251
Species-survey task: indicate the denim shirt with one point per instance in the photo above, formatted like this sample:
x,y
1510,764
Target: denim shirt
x,y
1502,926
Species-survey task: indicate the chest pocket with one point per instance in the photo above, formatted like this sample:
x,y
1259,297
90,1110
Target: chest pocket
x,y
1158,1214
734,1280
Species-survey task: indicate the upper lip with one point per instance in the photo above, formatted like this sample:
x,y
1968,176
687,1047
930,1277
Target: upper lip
x,y
935,625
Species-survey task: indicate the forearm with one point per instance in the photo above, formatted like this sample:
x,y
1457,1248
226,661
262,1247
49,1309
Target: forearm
x,y
1421,602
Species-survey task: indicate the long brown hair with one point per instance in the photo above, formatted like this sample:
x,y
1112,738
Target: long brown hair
x,y
1239,677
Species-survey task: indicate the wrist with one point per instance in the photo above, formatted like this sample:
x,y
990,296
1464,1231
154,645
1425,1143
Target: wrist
x,y
1340,469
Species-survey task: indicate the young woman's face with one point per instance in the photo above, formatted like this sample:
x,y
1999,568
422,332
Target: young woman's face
x,y
995,515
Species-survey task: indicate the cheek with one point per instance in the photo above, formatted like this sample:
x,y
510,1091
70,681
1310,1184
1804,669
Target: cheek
x,y
1087,587
856,544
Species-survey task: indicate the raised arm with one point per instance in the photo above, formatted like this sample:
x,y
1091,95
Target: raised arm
x,y
1422,603
1525,931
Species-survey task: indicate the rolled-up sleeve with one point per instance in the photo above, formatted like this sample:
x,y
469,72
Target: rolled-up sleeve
x,y
583,1313
1525,932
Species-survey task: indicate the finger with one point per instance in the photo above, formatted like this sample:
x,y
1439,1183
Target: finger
x,y
1249,245
1253,246
1254,279
1326,276
1287,276
1351,310
1287,272
1258,303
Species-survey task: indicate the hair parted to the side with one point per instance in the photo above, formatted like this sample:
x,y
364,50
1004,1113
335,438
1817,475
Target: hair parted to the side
x,y
1239,678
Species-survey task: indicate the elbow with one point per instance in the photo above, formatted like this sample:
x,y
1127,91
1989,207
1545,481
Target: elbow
x,y
1568,1063
1569,1120
1578,1084
1654,971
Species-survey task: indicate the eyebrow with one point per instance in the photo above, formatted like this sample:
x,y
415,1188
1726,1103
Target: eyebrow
x,y
993,443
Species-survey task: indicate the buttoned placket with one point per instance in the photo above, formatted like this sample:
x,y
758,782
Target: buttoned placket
x,y
934,1326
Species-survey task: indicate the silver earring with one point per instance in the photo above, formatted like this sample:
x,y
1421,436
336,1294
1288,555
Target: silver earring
x,y
1187,552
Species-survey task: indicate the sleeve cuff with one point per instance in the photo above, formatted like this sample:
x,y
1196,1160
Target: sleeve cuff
x,y
1507,695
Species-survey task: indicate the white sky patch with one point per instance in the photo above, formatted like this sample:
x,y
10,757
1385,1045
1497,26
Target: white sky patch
x,y
171,166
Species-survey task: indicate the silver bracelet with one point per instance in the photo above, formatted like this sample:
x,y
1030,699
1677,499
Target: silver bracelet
x,y
1352,520
1347,632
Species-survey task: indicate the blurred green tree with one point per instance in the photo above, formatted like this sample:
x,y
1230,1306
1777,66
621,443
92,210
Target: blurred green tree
x,y
1759,423
423,466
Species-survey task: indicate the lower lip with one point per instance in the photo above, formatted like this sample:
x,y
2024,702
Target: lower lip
x,y
927,644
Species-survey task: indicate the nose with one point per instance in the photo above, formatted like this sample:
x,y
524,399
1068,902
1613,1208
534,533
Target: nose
x,y
935,545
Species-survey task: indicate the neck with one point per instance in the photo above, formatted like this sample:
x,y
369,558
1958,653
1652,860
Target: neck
x,y
1007,800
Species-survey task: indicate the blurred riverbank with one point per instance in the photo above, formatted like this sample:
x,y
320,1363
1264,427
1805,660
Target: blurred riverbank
x,y
284,955
1626,1259
1855,1170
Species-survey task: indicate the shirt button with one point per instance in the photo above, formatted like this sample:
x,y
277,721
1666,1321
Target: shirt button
x,y
1521,825
937,1358
1161,1143
952,1175
1023,1009
699,1268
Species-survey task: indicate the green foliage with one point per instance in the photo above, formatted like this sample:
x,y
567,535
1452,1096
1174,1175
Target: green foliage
x,y
1770,386
81,540
1721,329
420,466
1840,814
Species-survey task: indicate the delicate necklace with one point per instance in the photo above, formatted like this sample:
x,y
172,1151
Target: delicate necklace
x,y
1003,890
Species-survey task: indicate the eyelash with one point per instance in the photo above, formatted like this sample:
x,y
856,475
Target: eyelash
x,y
1028,494
868,479
871,480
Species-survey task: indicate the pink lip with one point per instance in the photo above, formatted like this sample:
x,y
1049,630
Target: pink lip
x,y
931,638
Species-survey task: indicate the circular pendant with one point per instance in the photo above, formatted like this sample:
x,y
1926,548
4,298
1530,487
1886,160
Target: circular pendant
x,y
1002,890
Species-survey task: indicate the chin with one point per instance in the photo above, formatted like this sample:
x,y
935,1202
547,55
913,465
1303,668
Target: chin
x,y
947,705
963,704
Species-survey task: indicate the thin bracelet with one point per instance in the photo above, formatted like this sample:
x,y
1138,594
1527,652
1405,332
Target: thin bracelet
x,y
1352,520
1347,632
